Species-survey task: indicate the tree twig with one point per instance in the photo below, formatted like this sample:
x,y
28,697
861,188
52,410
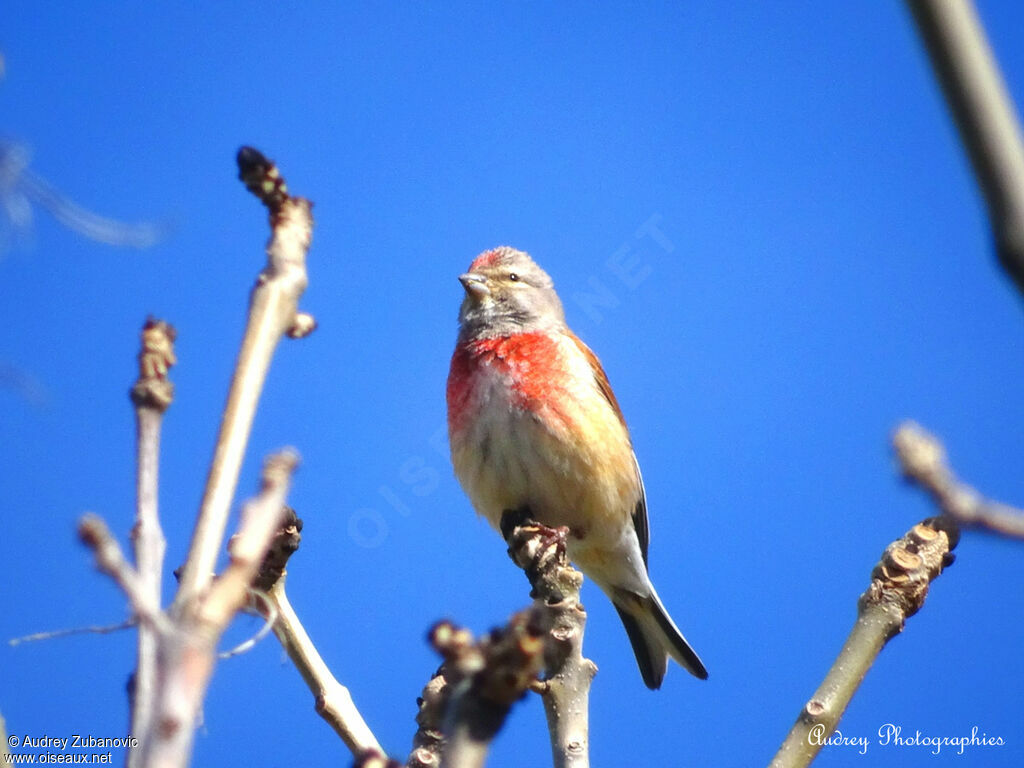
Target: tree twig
x,y
333,702
257,598
984,113
187,635
493,674
273,312
94,533
455,723
923,461
188,654
371,758
92,629
565,690
899,585
151,395
187,644
428,741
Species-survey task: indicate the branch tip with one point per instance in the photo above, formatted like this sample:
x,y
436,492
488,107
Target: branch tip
x,y
284,544
923,461
261,177
156,356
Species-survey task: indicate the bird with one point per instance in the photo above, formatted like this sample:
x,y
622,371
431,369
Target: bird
x,y
533,425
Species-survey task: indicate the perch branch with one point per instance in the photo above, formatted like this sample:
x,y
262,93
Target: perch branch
x,y
984,113
565,690
273,312
151,395
923,461
899,585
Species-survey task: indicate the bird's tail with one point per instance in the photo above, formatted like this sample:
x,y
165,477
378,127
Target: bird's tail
x,y
655,637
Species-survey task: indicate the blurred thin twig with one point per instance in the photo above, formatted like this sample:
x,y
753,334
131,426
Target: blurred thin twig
x,y
20,188
970,78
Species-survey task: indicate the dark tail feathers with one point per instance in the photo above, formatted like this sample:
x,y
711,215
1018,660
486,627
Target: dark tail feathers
x,y
654,638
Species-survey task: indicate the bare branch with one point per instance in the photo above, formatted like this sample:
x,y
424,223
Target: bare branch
x,y
333,701
899,585
188,654
457,719
273,312
151,394
285,544
92,629
95,534
371,758
184,639
984,113
261,518
428,741
493,674
923,461
541,553
19,185
269,611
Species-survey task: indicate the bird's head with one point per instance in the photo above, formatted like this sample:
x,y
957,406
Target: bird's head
x,y
507,293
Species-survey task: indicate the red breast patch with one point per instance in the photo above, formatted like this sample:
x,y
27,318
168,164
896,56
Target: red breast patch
x,y
532,362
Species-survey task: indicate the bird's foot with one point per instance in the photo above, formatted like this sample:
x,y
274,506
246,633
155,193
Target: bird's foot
x,y
533,546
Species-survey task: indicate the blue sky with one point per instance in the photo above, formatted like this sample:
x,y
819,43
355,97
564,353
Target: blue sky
x,y
821,270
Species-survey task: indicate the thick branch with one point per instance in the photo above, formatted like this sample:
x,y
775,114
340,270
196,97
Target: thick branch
x,y
541,553
977,96
923,461
152,394
899,585
273,312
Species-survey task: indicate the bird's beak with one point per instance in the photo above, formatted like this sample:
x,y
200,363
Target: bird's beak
x,y
475,285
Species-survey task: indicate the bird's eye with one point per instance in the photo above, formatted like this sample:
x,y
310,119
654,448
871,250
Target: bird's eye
x,y
513,277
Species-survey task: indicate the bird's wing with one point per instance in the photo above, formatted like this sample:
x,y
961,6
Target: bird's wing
x,y
643,530
639,514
